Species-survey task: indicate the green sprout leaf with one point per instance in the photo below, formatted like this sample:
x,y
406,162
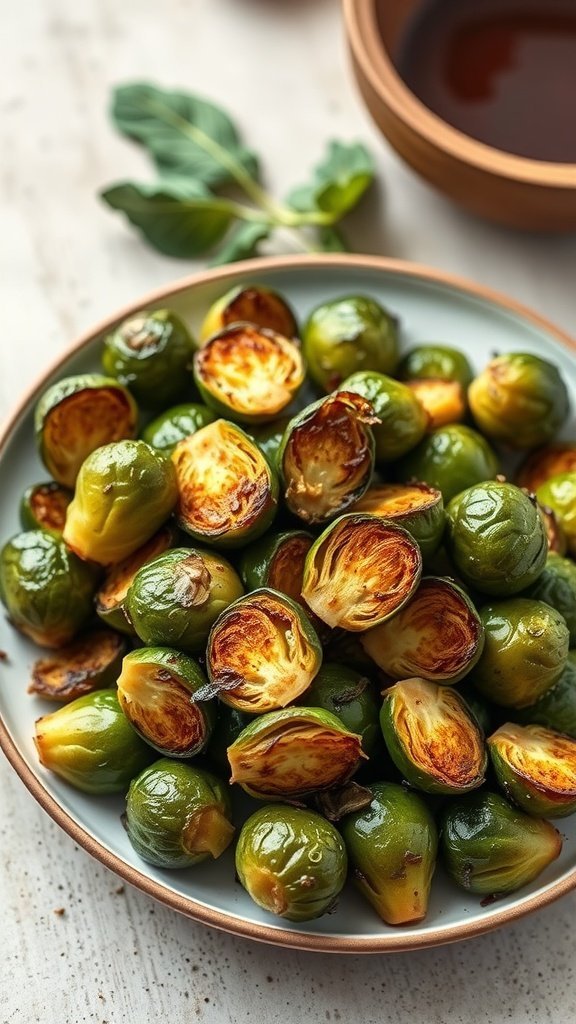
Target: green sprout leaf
x,y
178,221
339,181
331,239
242,243
183,133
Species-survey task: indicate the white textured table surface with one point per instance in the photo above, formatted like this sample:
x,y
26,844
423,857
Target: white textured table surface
x,y
280,66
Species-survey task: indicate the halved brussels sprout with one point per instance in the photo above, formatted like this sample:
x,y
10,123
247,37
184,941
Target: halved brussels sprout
x,y
151,353
402,419
432,737
326,457
228,493
496,538
444,401
419,508
544,463
392,849
556,585
292,862
92,662
350,696
361,570
559,494
156,690
451,459
437,635
91,744
262,652
348,334
519,399
554,532
253,304
525,651
111,597
173,425
177,815
76,416
439,362
536,768
43,507
294,752
556,709
491,848
175,599
124,493
277,561
248,373
47,591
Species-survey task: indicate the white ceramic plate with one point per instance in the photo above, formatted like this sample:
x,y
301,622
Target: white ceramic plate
x,y
431,307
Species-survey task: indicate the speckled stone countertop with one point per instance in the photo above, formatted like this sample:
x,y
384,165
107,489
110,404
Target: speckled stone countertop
x,y
78,945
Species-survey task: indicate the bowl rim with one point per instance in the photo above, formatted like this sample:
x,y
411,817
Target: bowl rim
x,y
370,53
272,934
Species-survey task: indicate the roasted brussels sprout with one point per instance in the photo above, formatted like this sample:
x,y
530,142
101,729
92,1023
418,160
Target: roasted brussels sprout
x,y
277,561
262,652
496,538
91,744
519,400
443,401
437,635
556,585
402,419
76,416
361,570
350,696
43,507
432,737
248,373
556,709
156,690
228,493
536,768
253,304
525,651
348,334
46,589
151,353
124,493
438,362
559,494
172,426
417,507
491,848
544,463
292,862
177,815
176,598
326,457
294,752
91,662
392,848
451,459
111,597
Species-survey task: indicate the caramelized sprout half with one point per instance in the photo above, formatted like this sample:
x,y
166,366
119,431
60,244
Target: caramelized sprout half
x,y
253,304
419,508
92,662
536,768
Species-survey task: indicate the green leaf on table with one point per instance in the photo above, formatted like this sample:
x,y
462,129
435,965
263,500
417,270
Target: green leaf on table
x,y
339,181
183,133
331,239
177,220
242,243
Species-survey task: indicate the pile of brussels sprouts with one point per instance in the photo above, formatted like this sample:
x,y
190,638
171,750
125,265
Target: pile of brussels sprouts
x,y
265,564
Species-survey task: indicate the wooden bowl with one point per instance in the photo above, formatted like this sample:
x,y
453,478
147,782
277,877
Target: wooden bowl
x,y
509,189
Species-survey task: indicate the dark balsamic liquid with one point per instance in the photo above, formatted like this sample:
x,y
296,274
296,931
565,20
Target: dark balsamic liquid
x,y
501,71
